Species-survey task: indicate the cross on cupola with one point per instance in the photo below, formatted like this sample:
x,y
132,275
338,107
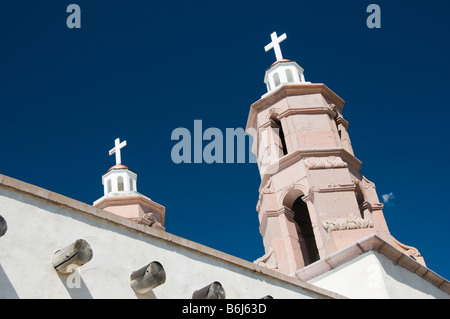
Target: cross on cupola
x,y
282,71
119,178
275,45
116,149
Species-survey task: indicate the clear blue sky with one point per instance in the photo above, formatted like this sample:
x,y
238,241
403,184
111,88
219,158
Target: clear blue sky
x,y
140,69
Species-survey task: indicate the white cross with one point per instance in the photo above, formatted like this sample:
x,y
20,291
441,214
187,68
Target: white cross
x,y
275,45
116,150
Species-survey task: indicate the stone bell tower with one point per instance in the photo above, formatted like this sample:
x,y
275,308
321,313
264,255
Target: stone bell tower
x,y
313,198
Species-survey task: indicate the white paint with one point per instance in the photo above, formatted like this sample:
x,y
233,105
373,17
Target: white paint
x,y
116,149
374,276
286,72
275,45
38,227
129,179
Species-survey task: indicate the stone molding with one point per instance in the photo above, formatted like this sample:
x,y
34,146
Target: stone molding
x,y
409,250
346,223
329,189
149,219
332,188
273,213
324,162
135,199
292,90
268,260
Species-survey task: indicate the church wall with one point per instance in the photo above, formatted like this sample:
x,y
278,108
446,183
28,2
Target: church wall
x,y
41,222
374,276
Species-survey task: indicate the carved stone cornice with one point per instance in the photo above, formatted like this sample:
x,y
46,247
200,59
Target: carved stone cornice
x,y
301,154
150,220
341,120
333,151
346,223
268,260
298,89
324,162
287,90
376,206
328,189
408,250
371,206
334,188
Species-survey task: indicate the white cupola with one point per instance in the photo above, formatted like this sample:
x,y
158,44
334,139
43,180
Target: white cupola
x,y
282,71
122,198
119,180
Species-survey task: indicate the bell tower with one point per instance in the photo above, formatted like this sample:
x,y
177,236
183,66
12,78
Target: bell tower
x,y
313,198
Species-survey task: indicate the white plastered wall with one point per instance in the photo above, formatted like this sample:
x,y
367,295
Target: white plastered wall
x,y
38,227
373,276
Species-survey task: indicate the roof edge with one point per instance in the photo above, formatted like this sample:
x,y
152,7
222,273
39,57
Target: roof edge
x,y
35,191
372,243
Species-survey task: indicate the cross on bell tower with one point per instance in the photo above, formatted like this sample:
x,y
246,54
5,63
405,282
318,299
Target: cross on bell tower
x,y
116,149
275,45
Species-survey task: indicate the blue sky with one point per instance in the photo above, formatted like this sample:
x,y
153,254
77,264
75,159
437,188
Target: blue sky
x,y
140,69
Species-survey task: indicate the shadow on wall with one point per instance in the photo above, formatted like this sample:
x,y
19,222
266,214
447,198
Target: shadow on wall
x,y
7,290
77,289
75,285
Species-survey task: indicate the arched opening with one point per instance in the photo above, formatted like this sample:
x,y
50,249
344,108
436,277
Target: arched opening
x,y
278,130
109,186
289,76
360,199
120,187
131,185
276,79
305,231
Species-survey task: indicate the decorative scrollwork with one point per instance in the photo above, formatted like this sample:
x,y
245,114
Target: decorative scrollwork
x,y
347,223
268,260
324,162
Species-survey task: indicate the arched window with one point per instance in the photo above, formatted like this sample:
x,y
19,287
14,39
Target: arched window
x,y
300,77
109,186
276,79
305,232
278,130
360,199
120,184
131,185
289,76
